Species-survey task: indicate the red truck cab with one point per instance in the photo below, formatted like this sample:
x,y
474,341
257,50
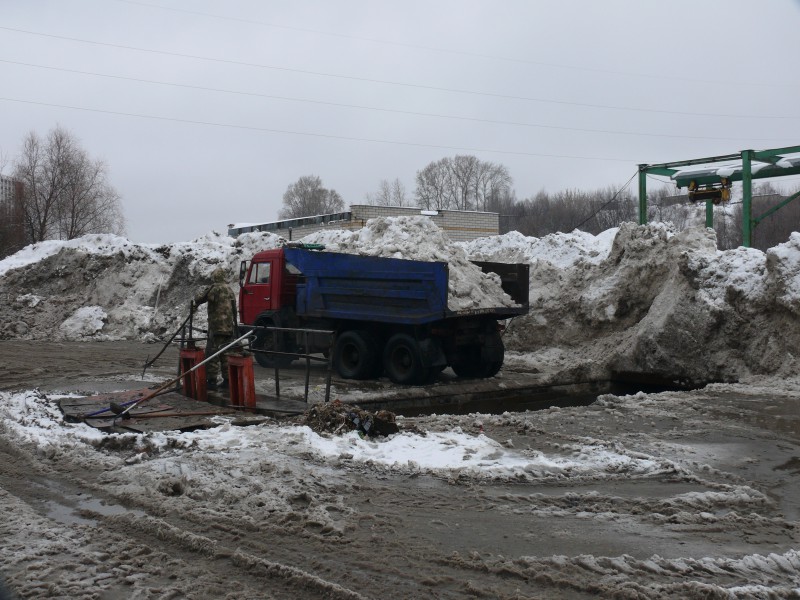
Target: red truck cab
x,y
266,285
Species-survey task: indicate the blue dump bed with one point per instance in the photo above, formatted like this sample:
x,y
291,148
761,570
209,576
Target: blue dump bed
x,y
387,290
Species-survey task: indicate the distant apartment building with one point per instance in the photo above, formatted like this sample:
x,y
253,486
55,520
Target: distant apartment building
x,y
460,225
12,222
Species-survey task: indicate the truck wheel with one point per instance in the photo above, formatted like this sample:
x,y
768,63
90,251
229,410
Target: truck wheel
x,y
402,360
265,341
469,366
356,355
493,368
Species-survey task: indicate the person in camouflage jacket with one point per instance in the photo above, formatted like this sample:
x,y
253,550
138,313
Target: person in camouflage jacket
x,y
221,324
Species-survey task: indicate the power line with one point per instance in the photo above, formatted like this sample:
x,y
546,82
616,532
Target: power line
x,y
398,83
441,50
314,134
614,197
386,110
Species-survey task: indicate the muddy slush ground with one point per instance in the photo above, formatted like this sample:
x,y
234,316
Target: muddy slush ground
x,y
728,490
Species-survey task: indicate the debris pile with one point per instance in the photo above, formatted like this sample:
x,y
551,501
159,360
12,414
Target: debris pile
x,y
337,418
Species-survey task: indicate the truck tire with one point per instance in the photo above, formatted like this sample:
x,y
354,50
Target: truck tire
x,y
473,364
356,356
402,360
265,341
469,365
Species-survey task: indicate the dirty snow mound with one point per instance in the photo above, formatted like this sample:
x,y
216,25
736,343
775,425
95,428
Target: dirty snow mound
x,y
667,304
106,287
419,238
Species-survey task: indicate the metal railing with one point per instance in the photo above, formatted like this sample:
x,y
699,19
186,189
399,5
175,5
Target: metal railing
x,y
295,355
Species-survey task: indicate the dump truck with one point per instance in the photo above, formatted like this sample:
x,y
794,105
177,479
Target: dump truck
x,y
388,315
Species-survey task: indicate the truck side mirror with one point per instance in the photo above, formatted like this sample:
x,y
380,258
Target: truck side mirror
x,y
243,271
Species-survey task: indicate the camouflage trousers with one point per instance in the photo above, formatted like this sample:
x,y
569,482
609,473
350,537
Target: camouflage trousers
x,y
215,342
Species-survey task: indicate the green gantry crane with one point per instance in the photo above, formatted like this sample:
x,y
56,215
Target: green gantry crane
x,y
712,184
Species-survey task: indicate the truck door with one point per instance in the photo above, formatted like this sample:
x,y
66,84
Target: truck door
x,y
257,295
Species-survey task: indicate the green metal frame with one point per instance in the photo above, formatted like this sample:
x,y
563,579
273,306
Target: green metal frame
x,y
769,160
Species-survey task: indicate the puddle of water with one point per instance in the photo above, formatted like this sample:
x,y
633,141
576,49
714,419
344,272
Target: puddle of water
x,y
66,514
77,510
73,507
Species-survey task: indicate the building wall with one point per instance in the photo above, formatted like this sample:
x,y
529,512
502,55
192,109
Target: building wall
x,y
12,224
459,225
6,189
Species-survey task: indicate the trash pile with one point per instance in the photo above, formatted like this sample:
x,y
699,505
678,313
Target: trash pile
x,y
337,418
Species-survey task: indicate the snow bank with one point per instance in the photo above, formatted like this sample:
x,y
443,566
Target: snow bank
x,y
635,299
106,287
100,244
561,250
659,302
34,418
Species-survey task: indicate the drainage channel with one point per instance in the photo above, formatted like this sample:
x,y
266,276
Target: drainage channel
x,y
491,398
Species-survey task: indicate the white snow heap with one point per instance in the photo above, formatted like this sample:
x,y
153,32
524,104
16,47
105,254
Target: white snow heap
x,y
106,287
419,238
84,322
559,249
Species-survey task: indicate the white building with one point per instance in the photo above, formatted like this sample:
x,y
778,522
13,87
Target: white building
x,y
460,225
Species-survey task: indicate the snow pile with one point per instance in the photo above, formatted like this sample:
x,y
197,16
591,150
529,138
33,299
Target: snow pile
x,y
101,244
84,322
783,266
633,300
666,304
561,250
32,417
418,238
445,453
106,287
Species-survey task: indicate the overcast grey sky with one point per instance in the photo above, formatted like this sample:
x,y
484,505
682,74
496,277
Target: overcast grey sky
x,y
206,111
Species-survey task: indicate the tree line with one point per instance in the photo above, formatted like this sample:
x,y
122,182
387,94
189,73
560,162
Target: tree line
x,y
467,183
59,192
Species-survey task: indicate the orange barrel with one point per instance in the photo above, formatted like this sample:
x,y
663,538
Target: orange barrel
x,y
194,383
242,381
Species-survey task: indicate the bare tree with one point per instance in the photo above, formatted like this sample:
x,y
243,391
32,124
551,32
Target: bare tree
x,y
492,185
461,183
435,188
66,194
464,177
307,197
388,194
